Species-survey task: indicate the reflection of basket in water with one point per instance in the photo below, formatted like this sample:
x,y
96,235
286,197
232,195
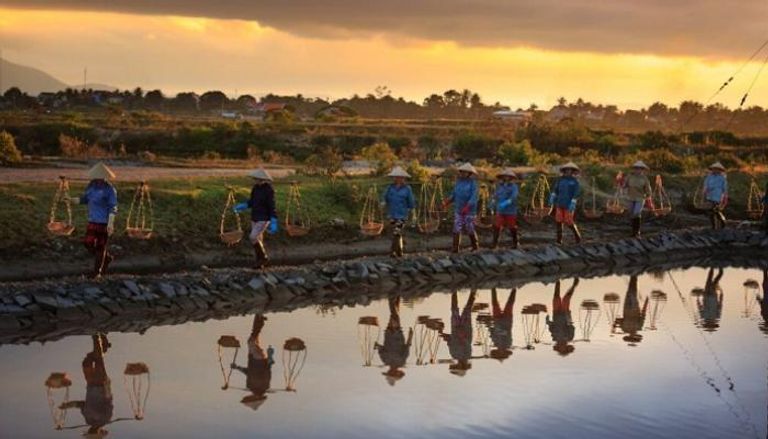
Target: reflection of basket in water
x,y
136,369
294,344
228,341
58,380
368,321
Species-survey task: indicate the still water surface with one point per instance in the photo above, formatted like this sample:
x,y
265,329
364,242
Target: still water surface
x,y
682,354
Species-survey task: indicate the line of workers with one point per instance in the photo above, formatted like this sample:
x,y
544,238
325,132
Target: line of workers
x,y
398,200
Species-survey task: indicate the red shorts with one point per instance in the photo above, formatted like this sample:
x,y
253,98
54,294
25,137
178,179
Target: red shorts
x,y
506,221
563,215
96,236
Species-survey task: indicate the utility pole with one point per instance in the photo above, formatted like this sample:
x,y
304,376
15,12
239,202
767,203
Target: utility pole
x,y
1,71
85,77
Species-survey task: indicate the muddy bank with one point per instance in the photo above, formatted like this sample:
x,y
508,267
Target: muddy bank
x,y
172,257
50,310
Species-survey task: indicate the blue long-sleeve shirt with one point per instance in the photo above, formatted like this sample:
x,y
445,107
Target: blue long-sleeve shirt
x,y
715,186
101,199
566,189
399,200
465,193
262,203
506,191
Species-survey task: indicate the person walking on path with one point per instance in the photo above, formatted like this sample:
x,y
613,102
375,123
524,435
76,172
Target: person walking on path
x,y
639,193
505,199
563,200
398,201
101,198
263,213
464,198
716,193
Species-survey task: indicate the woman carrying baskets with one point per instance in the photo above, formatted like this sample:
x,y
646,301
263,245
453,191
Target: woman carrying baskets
x,y
398,200
263,213
505,199
563,200
464,198
101,198
639,192
716,193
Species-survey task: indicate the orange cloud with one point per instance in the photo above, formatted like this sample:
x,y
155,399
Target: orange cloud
x,y
180,53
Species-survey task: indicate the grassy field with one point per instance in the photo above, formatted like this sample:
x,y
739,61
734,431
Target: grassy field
x,y
187,212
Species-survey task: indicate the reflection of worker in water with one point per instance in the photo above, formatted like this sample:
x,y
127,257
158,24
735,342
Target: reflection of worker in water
x,y
258,374
98,407
561,326
710,303
394,352
460,339
633,316
763,300
501,325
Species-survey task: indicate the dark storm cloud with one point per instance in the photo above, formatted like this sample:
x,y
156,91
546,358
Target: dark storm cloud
x,y
681,27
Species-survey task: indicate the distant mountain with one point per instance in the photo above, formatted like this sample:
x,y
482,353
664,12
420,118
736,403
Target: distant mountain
x,y
28,79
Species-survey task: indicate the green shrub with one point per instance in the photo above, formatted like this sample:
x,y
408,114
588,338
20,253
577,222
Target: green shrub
x,y
8,151
381,156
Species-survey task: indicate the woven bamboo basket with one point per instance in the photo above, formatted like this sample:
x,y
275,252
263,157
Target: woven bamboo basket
x,y
296,231
60,228
138,233
232,237
429,227
371,228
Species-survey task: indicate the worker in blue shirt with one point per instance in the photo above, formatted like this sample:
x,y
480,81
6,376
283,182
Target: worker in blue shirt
x,y
101,198
505,199
464,198
398,201
716,193
563,200
263,213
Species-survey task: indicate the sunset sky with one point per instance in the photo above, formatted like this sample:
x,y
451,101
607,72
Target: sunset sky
x,y
623,52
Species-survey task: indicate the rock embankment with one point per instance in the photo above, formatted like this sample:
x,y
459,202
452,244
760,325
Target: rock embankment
x,y
51,310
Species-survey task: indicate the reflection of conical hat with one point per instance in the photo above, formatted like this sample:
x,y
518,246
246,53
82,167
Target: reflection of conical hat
x,y
507,172
254,401
717,165
397,171
100,171
467,167
260,174
640,164
96,434
393,376
569,165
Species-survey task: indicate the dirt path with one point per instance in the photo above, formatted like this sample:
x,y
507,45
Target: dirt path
x,y
124,173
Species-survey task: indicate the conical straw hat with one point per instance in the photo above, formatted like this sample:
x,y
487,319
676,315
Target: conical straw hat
x,y
260,174
640,164
717,165
569,165
508,172
467,167
397,171
100,171
253,401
